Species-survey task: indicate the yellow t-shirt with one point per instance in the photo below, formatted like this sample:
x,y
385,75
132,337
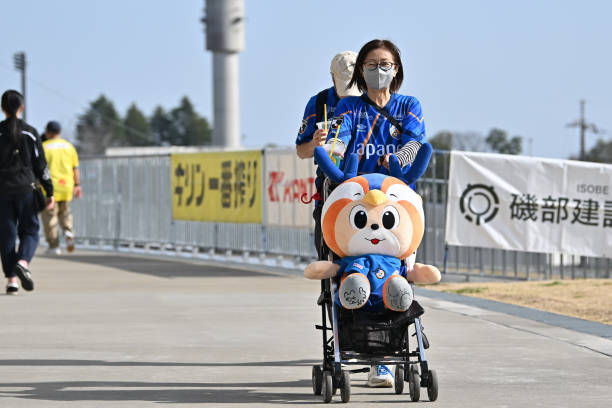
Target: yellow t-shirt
x,y
62,159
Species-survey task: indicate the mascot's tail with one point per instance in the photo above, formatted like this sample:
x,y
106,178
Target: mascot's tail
x,y
408,174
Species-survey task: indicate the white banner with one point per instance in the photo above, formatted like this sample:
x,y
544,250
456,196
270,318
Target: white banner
x,y
287,179
530,204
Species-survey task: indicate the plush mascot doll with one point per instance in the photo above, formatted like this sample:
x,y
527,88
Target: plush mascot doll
x,y
374,222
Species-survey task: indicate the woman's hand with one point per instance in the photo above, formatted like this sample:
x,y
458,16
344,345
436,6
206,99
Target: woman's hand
x,y
318,138
50,203
384,161
306,150
78,193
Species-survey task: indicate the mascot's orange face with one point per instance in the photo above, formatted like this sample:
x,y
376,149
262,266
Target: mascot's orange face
x,y
373,214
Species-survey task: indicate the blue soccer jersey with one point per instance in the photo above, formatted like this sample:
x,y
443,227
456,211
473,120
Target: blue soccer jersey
x,y
366,132
377,268
309,125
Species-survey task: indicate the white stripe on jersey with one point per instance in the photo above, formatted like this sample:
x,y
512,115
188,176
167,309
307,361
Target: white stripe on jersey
x,y
33,138
29,134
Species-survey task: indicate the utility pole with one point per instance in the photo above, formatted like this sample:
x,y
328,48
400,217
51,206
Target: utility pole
x,y
20,65
584,126
224,22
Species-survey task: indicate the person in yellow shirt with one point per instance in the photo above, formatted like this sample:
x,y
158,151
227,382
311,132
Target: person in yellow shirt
x,y
63,163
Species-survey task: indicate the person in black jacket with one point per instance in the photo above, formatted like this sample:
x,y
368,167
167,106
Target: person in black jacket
x,y
22,166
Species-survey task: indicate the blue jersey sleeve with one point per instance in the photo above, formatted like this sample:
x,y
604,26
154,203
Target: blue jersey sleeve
x,y
308,126
413,125
342,123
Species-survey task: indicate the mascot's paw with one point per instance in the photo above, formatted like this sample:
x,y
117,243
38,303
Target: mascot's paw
x,y
354,291
397,293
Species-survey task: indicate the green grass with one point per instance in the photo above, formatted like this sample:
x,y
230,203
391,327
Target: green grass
x,y
553,283
467,291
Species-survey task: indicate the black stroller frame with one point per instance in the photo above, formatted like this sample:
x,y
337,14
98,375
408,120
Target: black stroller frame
x,y
334,374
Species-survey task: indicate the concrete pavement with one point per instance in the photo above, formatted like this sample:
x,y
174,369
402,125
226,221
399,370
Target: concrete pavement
x,y
108,330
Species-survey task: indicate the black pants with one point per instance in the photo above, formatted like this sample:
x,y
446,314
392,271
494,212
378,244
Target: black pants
x,y
18,217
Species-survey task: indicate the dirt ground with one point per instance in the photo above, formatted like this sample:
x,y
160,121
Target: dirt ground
x,y
589,299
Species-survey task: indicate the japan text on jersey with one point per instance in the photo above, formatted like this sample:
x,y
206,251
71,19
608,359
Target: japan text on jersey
x,y
369,134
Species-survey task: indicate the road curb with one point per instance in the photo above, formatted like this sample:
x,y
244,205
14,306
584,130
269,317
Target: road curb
x,y
553,319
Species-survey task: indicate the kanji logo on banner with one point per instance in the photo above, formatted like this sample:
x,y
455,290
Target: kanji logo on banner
x,y
479,203
529,204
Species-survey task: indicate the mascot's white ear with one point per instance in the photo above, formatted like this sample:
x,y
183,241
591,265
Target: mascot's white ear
x,y
351,190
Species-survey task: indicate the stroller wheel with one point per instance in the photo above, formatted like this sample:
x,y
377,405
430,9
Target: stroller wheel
x,y
345,386
414,384
399,379
432,385
327,386
317,379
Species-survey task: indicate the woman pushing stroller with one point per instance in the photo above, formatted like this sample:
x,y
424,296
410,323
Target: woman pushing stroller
x,y
375,222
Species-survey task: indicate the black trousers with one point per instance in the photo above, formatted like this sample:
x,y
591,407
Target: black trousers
x,y
18,218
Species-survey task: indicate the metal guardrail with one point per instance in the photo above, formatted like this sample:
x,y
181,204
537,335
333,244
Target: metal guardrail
x,y
127,205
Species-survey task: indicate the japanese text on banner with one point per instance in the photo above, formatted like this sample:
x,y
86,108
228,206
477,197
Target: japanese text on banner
x,y
219,187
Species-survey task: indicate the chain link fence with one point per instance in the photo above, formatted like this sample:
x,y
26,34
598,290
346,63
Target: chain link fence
x,y
127,206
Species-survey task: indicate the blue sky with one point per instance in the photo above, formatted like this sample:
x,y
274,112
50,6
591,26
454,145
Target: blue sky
x,y
521,66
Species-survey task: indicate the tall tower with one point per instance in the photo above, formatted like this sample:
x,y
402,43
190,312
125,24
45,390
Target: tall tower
x,y
224,21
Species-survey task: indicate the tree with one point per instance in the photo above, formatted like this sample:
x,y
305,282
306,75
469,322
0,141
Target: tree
x,y
189,128
442,140
468,141
99,127
161,127
600,153
137,131
499,142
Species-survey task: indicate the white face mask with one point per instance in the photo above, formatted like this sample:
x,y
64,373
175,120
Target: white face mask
x,y
378,78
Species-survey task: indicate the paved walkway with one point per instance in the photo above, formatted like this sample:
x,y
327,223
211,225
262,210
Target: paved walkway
x,y
107,330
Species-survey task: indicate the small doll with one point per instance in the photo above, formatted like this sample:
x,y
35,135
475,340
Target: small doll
x,y
373,222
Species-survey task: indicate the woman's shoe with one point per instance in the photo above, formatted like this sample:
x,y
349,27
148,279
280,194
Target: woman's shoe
x,y
380,376
12,288
24,276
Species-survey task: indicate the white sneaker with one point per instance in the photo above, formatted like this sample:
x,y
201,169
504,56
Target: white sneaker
x,y
12,288
380,376
53,251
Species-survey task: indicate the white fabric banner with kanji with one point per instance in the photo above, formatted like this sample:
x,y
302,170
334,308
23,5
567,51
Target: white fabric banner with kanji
x,y
288,179
529,204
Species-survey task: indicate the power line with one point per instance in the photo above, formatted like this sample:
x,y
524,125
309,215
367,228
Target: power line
x,y
60,95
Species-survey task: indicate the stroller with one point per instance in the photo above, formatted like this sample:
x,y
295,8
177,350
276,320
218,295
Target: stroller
x,y
357,338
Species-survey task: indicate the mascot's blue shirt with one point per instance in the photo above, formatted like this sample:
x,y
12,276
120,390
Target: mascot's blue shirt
x,y
378,268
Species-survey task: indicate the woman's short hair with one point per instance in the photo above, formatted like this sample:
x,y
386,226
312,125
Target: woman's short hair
x,y
357,78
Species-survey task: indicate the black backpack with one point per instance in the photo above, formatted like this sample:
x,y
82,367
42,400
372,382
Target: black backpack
x,y
320,106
